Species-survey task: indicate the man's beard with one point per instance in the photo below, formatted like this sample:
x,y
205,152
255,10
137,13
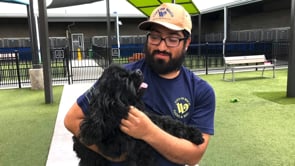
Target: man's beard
x,y
160,66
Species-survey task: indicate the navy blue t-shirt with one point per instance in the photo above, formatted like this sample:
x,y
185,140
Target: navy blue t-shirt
x,y
186,98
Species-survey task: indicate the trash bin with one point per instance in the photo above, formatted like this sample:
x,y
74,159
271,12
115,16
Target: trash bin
x,y
90,53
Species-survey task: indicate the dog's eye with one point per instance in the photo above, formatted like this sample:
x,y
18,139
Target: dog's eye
x,y
138,72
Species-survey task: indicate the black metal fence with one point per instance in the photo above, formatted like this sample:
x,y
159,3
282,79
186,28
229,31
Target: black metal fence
x,y
12,71
68,67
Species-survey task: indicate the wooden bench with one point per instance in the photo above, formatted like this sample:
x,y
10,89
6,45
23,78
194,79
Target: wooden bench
x,y
247,62
136,57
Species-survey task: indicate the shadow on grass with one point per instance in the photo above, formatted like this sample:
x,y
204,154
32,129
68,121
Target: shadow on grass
x,y
229,79
279,97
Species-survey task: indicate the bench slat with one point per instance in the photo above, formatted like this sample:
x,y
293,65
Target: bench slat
x,y
245,59
253,66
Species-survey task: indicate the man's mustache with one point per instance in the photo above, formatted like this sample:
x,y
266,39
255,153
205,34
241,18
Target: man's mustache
x,y
161,52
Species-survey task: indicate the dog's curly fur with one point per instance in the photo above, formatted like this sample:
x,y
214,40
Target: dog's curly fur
x,y
118,89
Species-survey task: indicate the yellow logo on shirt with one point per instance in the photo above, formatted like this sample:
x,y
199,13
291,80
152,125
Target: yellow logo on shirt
x,y
182,107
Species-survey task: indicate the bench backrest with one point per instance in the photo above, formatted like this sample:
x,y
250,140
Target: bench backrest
x,y
244,59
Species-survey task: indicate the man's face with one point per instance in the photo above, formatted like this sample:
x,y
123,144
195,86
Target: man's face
x,y
161,58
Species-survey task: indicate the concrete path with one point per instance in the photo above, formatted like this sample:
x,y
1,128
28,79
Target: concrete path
x,y
61,150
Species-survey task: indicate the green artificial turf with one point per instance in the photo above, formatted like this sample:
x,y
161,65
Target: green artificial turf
x,y
27,125
254,121
253,124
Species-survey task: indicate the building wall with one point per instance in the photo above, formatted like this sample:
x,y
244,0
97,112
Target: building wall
x,y
262,15
18,27
14,27
279,18
89,29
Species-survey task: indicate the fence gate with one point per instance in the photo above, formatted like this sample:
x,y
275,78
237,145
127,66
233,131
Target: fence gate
x,y
77,44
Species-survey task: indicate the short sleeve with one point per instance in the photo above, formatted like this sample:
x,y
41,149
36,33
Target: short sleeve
x,y
85,99
204,110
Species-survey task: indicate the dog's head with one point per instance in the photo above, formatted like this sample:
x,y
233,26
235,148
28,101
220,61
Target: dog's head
x,y
119,88
117,80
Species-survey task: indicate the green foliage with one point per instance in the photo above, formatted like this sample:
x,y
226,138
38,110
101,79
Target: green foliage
x,y
27,125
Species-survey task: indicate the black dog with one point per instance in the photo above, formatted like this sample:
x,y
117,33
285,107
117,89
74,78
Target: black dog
x,y
116,91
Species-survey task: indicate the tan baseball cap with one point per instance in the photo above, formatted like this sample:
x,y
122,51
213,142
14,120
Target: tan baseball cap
x,y
169,15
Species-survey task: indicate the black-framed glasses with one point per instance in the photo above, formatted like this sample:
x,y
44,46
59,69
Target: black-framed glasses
x,y
169,41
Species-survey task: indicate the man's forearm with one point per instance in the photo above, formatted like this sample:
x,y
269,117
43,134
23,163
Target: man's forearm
x,y
176,149
119,159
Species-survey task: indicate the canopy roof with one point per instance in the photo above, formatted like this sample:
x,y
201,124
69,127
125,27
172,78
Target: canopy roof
x,y
66,3
97,8
23,2
147,6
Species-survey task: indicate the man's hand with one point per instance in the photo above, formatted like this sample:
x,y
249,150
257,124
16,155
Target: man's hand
x,y
140,126
137,124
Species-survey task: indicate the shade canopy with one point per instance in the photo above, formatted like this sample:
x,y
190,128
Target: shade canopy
x,y
66,3
23,2
147,6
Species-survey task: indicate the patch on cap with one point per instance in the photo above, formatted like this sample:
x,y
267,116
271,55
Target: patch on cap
x,y
169,15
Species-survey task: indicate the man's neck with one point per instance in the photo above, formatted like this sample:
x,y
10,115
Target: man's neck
x,y
170,75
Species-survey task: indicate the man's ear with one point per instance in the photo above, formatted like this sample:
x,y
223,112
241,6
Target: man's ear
x,y
188,41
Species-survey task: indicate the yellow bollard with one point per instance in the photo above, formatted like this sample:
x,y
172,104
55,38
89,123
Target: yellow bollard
x,y
79,55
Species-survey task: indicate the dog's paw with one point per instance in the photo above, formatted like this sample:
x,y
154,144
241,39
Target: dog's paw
x,y
195,136
198,140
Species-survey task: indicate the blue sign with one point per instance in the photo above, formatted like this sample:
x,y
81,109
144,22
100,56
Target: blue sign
x,y
23,2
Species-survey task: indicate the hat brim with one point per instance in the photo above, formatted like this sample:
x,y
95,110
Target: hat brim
x,y
146,25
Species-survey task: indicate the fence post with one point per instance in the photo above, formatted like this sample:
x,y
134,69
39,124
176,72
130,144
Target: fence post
x,y
206,58
17,69
68,60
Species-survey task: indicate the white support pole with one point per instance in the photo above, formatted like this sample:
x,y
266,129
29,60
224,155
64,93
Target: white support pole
x,y
118,32
224,30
